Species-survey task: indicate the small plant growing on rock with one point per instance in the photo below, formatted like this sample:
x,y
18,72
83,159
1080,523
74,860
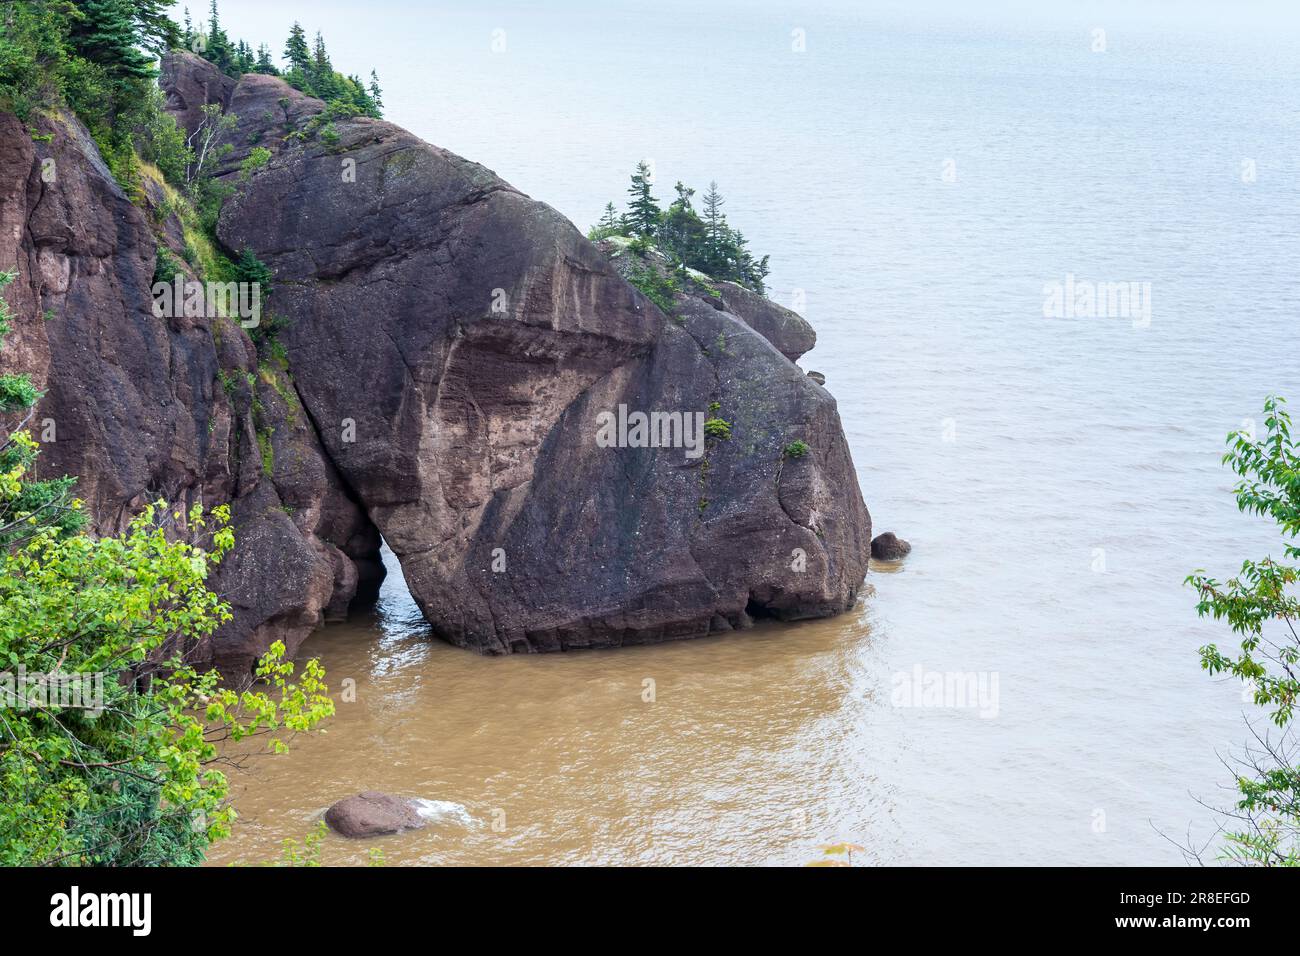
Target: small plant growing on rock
x,y
267,449
258,157
659,289
718,428
796,449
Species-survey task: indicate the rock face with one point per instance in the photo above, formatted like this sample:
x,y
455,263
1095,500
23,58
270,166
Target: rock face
x,y
452,348
142,408
890,547
192,83
371,813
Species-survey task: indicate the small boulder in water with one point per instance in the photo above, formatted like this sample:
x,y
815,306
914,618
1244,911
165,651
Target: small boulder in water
x,y
889,547
371,813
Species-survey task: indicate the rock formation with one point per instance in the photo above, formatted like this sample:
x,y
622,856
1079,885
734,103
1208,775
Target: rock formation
x,y
448,348
890,547
372,813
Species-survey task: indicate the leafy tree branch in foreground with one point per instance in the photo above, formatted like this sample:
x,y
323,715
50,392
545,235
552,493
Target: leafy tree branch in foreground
x,y
1262,828
125,770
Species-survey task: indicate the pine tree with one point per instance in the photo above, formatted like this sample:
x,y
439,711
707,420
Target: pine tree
x,y
682,233
643,210
107,34
684,194
324,83
707,244
296,51
243,59
264,63
714,218
376,94
156,30
219,50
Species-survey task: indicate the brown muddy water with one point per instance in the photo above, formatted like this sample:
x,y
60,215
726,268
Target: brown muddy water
x,y
1057,477
707,751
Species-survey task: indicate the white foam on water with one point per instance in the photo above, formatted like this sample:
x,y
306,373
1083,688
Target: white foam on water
x,y
444,811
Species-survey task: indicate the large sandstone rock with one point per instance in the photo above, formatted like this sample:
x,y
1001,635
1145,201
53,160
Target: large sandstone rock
x,y
455,343
451,345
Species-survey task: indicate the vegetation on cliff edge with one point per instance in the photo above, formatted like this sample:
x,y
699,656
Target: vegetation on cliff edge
x,y
690,241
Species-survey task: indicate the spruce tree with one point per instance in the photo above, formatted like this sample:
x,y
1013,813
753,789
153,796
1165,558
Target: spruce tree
x,y
715,221
156,30
324,83
297,53
107,35
682,233
219,50
264,63
643,209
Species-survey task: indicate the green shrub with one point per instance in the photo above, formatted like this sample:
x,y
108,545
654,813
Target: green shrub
x,y
718,428
659,289
267,449
162,142
257,157
165,267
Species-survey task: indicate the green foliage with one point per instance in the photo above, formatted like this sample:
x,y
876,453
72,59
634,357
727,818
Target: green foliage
x,y
211,146
267,450
718,428
659,289
165,267
1260,608
688,240
610,224
257,157
643,213
27,505
131,782
249,268
17,391
89,56
161,141
307,853
795,449
309,66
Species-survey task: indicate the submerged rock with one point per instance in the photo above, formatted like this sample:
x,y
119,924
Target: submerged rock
x,y
889,547
372,813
